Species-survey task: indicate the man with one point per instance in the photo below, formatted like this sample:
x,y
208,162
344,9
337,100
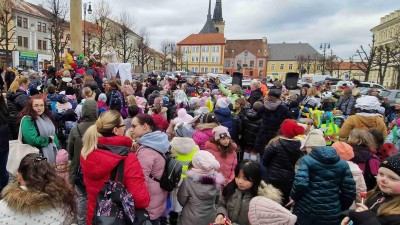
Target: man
x,y
256,93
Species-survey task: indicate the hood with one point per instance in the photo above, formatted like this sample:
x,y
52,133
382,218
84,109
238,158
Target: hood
x,y
369,121
89,110
22,200
325,155
251,114
269,191
12,96
183,145
156,140
225,112
205,126
361,153
216,179
292,145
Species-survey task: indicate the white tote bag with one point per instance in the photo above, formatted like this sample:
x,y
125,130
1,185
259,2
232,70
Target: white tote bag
x,y
17,152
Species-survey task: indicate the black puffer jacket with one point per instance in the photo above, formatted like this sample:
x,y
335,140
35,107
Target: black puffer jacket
x,y
255,96
16,102
279,158
251,124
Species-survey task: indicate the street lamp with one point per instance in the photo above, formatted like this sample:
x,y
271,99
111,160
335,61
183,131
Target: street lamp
x,y
323,48
89,10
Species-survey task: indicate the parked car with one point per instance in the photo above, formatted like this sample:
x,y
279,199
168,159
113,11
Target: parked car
x,y
371,85
390,96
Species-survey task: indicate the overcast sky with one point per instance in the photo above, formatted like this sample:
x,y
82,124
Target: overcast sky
x,y
345,24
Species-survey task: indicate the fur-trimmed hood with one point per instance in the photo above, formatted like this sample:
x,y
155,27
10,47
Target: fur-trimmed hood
x,y
206,126
183,145
215,179
270,192
23,200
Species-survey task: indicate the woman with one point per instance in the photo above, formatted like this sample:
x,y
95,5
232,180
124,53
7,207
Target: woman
x,y
99,157
152,145
41,197
138,90
38,128
233,93
373,92
346,102
4,138
17,99
313,99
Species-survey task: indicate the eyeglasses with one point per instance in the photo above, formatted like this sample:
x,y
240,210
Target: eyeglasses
x,y
122,125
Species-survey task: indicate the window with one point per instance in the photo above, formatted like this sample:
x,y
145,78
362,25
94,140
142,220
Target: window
x,y
239,62
272,66
215,59
185,49
204,59
19,21
282,66
195,49
204,69
25,42
19,41
216,49
44,28
251,63
205,49
214,70
261,64
290,66
195,59
39,26
251,73
227,63
39,44
44,45
319,67
25,22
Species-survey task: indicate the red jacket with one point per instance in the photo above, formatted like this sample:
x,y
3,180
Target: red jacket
x,y
160,121
101,104
98,166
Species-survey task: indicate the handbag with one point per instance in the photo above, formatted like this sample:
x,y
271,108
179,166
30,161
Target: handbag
x,y
18,151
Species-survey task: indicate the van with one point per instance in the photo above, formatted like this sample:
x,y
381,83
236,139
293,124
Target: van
x,y
312,79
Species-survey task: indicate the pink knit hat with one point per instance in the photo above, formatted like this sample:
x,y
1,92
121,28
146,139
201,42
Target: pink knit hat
x,y
183,116
204,162
202,101
220,132
265,211
62,156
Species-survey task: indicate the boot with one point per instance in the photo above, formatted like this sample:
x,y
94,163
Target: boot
x,y
173,218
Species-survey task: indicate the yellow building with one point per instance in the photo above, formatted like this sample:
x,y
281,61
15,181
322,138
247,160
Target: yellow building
x,y
202,53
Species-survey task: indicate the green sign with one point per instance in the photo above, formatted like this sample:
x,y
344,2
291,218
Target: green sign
x,y
28,54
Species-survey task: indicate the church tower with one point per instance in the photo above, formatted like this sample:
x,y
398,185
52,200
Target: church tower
x,y
218,21
209,27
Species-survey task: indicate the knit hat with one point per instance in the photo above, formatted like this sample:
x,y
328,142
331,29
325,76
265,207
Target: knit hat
x,y
265,211
103,97
204,162
220,132
368,103
193,101
387,150
275,93
222,103
344,150
392,163
183,116
315,138
62,156
291,129
184,129
202,102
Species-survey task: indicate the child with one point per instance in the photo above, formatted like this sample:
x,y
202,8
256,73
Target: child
x,y
236,196
62,164
102,101
251,124
323,185
224,150
280,157
203,131
345,152
394,135
199,190
265,211
363,142
382,203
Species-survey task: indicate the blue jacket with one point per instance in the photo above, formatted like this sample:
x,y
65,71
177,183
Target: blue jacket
x,y
323,188
225,118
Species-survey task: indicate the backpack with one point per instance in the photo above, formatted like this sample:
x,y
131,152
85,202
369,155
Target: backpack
x,y
115,205
116,101
171,175
370,169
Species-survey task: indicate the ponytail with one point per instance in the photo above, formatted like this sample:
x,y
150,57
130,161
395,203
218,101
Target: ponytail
x,y
90,139
17,83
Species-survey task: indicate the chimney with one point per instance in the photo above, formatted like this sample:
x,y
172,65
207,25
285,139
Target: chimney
x,y
264,39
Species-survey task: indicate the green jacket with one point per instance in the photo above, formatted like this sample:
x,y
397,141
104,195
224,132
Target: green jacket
x,y
228,93
31,136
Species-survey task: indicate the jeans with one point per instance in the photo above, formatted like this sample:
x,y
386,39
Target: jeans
x,y
3,171
82,204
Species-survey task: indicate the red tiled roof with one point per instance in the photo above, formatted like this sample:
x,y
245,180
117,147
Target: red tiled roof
x,y
203,39
347,65
25,7
256,47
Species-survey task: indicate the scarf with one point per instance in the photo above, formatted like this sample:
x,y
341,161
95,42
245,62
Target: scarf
x,y
46,128
272,105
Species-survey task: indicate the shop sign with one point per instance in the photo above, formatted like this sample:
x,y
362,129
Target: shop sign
x,y
28,54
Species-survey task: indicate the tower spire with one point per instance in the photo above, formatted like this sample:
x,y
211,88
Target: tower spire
x,y
209,9
209,27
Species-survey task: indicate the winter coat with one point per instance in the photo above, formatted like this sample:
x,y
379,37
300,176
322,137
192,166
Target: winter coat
x,y
362,155
150,90
323,188
369,217
31,136
160,121
4,137
203,133
68,60
346,105
183,149
225,118
280,157
96,169
95,88
228,93
251,124
255,96
101,104
35,82
197,195
16,102
152,145
364,123
271,122
228,164
360,182
394,137
74,147
236,206
20,206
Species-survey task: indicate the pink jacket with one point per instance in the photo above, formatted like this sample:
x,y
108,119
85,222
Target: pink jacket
x,y
228,164
203,133
153,163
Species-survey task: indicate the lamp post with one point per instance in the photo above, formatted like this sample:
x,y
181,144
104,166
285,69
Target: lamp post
x,y
89,10
323,47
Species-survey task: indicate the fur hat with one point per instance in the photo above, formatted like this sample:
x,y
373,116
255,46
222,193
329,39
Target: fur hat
x,y
368,103
103,97
315,138
62,156
183,116
220,132
387,150
344,150
291,129
392,163
265,211
223,102
204,162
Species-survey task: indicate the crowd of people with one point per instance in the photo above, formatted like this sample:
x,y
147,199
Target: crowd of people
x,y
263,155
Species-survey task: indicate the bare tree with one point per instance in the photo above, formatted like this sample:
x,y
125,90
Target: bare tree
x,y
381,61
302,63
7,29
101,13
165,51
58,10
143,52
125,37
366,58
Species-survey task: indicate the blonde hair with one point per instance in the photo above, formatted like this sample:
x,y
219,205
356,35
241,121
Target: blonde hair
x,y
127,82
312,92
131,100
236,89
388,208
18,81
66,73
361,137
104,124
87,92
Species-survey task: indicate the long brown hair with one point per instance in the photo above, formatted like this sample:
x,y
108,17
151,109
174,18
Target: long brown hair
x,y
224,150
40,176
29,111
391,207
